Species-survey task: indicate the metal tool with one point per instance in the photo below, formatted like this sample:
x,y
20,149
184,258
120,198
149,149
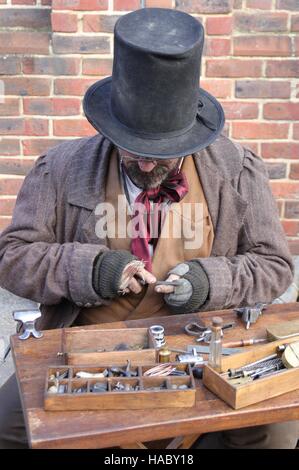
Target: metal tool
x,y
250,314
190,358
204,333
27,319
206,349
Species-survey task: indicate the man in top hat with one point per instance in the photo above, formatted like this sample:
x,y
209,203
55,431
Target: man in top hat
x,y
158,194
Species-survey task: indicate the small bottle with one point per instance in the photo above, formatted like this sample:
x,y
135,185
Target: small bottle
x,y
216,344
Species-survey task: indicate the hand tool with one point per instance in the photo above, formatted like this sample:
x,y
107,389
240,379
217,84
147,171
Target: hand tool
x,y
250,314
27,318
206,349
244,342
203,333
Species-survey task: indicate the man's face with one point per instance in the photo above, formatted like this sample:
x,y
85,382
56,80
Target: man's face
x,y
147,173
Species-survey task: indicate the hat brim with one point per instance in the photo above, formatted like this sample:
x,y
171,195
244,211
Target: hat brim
x,y
96,105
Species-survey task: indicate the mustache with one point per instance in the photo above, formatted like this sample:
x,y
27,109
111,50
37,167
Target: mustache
x,y
147,179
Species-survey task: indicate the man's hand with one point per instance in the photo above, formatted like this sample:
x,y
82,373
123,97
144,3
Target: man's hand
x,y
134,276
186,288
118,272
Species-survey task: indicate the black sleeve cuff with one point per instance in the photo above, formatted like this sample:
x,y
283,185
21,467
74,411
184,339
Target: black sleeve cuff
x,y
107,271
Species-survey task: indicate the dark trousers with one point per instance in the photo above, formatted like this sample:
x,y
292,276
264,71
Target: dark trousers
x,y
272,436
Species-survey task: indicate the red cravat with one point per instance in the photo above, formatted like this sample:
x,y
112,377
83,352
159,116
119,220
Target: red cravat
x,y
174,188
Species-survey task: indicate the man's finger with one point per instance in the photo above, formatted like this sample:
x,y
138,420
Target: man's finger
x,y
145,275
164,289
134,286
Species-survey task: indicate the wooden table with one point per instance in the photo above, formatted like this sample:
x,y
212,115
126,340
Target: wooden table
x,y
98,429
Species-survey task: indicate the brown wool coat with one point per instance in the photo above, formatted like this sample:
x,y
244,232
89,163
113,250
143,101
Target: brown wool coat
x,y
47,252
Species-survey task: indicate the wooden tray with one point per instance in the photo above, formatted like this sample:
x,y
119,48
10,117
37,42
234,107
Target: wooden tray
x,y
238,396
145,397
88,347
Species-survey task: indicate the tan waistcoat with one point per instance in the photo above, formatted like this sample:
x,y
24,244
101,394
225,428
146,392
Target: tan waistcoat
x,y
172,247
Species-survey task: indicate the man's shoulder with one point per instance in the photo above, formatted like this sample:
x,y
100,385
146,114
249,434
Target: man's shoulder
x,y
225,156
67,151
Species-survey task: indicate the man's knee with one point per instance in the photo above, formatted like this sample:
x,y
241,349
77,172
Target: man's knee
x,y
12,426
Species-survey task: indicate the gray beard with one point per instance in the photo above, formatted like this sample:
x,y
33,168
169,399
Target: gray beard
x,y
150,180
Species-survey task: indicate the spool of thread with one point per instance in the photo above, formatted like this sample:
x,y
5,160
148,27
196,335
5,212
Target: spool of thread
x,y
164,355
158,335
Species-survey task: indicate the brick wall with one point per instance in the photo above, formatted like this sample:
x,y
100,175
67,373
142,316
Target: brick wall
x,y
51,53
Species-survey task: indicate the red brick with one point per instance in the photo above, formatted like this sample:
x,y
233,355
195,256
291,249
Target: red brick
x,y
27,86
294,246
99,67
70,44
7,206
292,209
262,89
10,186
262,46
285,190
285,68
25,18
204,6
295,23
218,88
233,68
296,131
80,5
158,3
217,47
17,42
72,86
296,46
64,22
287,5
291,227
46,2
15,166
258,130
51,65
10,107
37,147
279,111
73,127
21,126
52,106
219,25
9,147
294,171
251,22
4,222
259,4
99,23
240,110
127,5
288,150
10,65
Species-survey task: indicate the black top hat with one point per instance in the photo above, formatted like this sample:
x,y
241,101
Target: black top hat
x,y
152,105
